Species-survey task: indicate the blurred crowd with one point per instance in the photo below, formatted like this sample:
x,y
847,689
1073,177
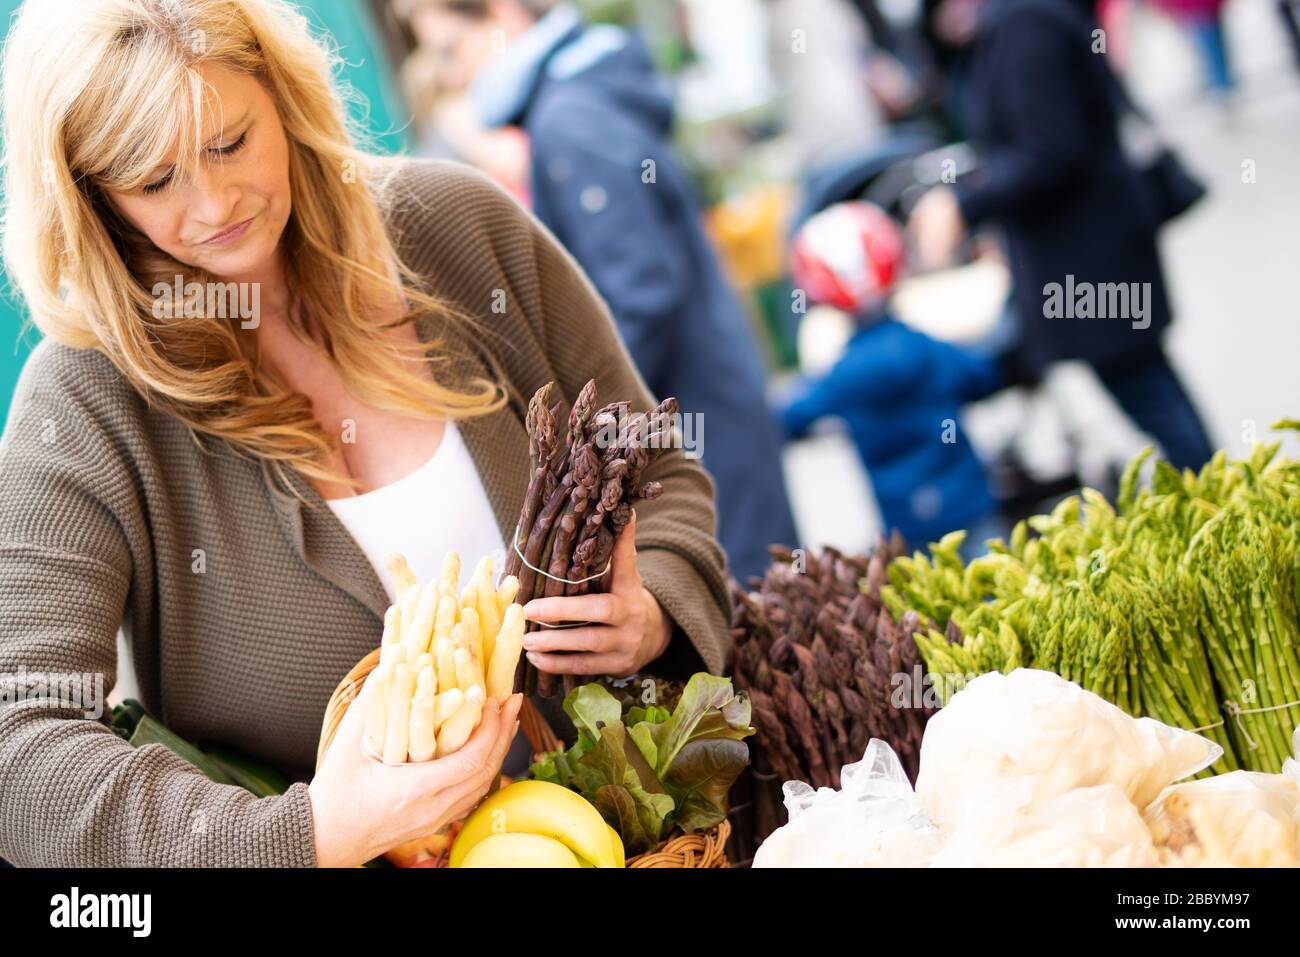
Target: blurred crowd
x,y
731,174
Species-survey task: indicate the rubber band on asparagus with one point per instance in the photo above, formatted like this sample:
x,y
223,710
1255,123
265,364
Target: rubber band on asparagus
x,y
566,581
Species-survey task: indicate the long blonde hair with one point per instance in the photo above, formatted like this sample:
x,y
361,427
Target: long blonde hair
x,y
98,93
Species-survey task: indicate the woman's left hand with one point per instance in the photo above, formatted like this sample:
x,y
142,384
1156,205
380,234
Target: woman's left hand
x,y
629,628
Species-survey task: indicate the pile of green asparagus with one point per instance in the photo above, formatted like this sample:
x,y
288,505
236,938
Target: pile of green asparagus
x,y
1180,602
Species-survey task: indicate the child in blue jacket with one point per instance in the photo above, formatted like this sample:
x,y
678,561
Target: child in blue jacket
x,y
899,392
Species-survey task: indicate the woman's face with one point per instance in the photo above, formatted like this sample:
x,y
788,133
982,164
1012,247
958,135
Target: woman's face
x,y
227,219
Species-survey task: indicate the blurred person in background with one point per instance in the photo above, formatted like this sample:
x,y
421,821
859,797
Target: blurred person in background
x,y
899,392
892,72
447,126
607,183
1203,22
1074,212
1289,11
816,49
947,27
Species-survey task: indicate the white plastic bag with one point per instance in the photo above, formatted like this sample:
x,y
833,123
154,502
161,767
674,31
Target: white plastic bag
x,y
1241,819
1086,827
875,820
1033,735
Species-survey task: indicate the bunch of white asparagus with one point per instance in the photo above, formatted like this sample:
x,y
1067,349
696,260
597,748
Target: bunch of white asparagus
x,y
443,654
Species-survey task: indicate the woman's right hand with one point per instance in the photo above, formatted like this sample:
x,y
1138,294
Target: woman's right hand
x,y
362,808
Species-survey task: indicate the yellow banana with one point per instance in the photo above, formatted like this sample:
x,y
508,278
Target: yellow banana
x,y
539,807
519,850
617,841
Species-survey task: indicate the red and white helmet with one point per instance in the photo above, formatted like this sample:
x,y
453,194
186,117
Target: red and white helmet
x,y
847,256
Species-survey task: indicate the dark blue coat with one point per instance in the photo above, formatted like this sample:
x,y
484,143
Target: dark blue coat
x,y
900,393
606,182
1055,179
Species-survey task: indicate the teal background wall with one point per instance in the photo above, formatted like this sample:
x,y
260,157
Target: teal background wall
x,y
15,341
378,105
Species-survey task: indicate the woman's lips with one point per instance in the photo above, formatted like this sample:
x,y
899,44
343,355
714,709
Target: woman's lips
x,y
227,236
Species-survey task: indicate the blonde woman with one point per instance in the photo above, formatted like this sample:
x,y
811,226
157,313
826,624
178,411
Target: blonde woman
x,y
224,483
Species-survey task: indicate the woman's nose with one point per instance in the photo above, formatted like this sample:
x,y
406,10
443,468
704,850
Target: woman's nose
x,y
214,197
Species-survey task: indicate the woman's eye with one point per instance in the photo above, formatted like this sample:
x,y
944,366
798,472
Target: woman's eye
x,y
234,147
159,184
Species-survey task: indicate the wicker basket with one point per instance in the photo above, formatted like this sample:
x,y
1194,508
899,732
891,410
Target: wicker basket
x,y
703,849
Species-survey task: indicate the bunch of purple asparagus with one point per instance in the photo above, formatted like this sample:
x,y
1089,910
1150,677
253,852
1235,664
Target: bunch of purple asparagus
x,y
823,661
581,490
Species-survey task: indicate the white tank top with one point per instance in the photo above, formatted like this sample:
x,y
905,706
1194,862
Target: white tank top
x,y
440,506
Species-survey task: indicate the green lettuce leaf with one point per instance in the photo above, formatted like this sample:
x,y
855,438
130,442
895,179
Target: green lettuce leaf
x,y
606,760
653,769
654,714
555,767
614,764
701,778
619,810
654,812
590,706
642,735
709,708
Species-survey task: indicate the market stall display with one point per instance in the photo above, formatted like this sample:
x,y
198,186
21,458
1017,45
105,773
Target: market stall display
x,y
658,774
1179,602
1022,739
818,654
1080,670
827,668
581,490
1029,770
654,769
874,820
1239,819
